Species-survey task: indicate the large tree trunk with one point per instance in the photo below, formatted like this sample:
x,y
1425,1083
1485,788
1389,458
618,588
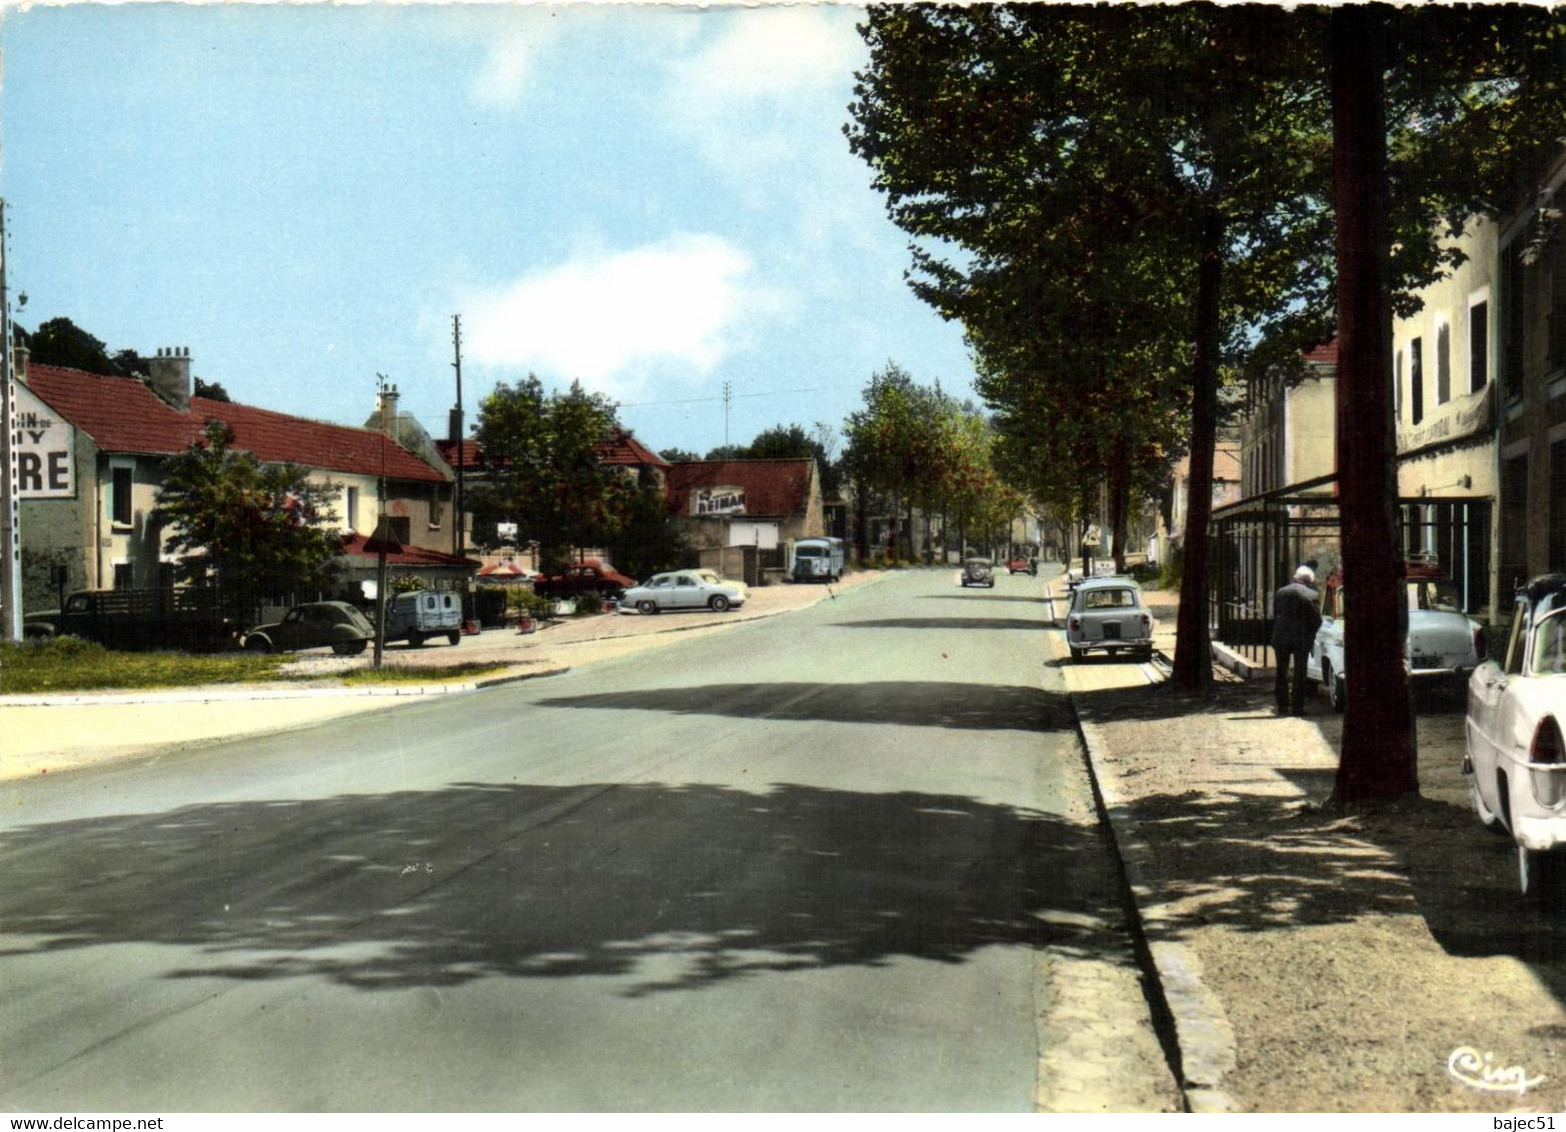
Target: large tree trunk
x,y
1120,499
1379,755
1193,662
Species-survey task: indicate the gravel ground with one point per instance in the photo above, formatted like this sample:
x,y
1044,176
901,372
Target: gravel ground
x,y
1355,955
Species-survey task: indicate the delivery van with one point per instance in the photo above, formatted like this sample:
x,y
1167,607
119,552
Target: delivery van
x,y
417,616
817,560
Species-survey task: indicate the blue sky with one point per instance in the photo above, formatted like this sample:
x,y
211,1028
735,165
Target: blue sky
x,y
652,200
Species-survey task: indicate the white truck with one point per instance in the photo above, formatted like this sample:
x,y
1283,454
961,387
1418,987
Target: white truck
x,y
817,560
417,616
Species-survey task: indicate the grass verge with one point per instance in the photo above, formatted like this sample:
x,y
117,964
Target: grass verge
x,y
69,665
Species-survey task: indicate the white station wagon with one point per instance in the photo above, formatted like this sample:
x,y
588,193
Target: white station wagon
x,y
1516,758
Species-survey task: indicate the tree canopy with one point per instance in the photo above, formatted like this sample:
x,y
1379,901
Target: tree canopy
x,y
546,475
255,530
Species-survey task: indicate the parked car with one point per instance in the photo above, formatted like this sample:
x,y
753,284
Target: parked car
x,y
418,615
313,625
1108,615
978,572
1022,566
1443,642
1516,758
169,618
591,576
685,589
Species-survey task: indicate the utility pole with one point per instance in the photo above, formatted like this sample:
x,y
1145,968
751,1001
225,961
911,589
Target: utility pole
x,y
456,429
10,505
728,392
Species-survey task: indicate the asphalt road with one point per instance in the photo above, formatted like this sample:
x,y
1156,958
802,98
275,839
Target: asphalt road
x,y
842,859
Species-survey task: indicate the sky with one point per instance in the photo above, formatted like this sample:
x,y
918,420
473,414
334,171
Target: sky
x,y
653,200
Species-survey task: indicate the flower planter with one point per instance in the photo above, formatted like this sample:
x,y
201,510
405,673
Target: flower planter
x,y
526,625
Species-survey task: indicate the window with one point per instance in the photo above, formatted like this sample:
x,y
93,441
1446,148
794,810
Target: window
x,y
1515,639
121,476
124,576
435,506
350,509
1478,346
1416,379
1443,364
1397,386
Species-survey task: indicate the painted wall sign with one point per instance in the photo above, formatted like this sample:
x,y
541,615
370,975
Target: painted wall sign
x,y
718,501
46,452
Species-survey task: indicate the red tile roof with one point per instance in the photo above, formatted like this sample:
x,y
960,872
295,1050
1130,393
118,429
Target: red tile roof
x,y
123,415
354,547
771,487
624,450
1326,354
472,454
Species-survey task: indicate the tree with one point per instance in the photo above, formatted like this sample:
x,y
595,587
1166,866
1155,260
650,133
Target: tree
x,y
1114,185
1438,114
60,342
254,530
211,390
679,456
546,474
792,442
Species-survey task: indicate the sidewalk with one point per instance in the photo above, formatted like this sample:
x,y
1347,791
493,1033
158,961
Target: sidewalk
x,y
47,734
1315,961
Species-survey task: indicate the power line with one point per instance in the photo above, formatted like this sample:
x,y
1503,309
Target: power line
x,y
721,397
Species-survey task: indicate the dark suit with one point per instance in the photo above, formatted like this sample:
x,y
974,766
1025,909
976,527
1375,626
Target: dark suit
x,y
1295,621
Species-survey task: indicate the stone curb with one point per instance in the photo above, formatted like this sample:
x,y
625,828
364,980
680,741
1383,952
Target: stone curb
x,y
1203,1035
154,696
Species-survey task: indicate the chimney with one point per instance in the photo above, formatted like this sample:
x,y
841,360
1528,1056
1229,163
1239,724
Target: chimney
x,y
170,378
386,406
19,355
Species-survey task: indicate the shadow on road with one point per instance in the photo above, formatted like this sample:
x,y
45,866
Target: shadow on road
x,y
944,623
671,886
912,703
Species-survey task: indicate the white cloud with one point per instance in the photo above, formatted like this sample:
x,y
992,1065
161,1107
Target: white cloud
x,y
510,57
604,318
775,52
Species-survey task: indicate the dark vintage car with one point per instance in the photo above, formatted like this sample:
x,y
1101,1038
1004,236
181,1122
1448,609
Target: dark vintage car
x,y
978,572
592,576
316,624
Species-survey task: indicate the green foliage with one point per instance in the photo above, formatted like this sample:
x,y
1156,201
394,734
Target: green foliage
x,y
530,603
546,476
255,529
648,541
404,584
211,390
60,342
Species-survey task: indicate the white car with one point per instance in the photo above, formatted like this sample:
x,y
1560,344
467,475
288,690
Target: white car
x,y
1516,758
685,589
1107,614
1443,642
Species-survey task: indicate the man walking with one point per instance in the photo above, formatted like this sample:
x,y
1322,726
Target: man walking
x,y
1296,618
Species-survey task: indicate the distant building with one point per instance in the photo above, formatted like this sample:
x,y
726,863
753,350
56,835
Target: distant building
x,y
760,504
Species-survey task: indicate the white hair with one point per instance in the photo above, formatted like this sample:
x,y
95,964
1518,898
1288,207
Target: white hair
x,y
1304,574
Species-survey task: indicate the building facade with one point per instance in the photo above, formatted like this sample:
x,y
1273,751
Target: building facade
x,y
92,457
